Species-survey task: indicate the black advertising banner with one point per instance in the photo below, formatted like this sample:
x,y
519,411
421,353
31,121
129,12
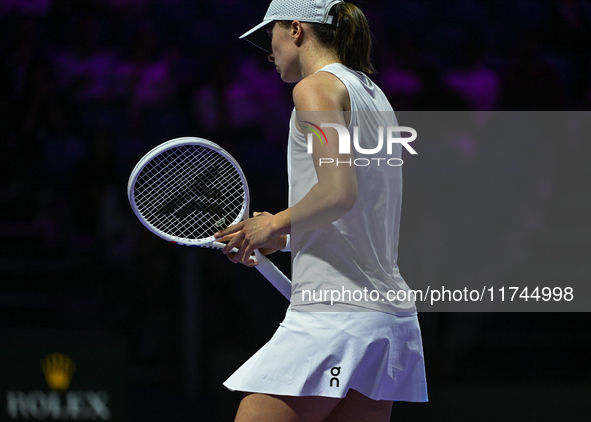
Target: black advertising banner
x,y
52,378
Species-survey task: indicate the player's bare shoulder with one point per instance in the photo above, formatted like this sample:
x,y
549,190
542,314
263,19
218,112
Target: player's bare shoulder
x,y
321,91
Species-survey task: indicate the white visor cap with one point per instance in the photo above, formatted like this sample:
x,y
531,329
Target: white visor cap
x,y
313,11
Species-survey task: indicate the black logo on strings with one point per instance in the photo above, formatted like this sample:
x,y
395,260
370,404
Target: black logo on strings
x,y
201,194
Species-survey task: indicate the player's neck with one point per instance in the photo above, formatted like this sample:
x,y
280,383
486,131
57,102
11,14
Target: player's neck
x,y
316,60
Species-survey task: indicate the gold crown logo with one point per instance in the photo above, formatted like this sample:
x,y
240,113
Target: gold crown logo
x,y
58,369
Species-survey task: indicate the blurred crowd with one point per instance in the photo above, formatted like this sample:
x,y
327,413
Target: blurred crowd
x,y
87,87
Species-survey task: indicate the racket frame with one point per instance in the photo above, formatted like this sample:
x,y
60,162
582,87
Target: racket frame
x,y
208,242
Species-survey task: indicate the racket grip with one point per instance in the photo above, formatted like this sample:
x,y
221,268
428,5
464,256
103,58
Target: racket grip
x,y
273,274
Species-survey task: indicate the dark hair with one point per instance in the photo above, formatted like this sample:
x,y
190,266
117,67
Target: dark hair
x,y
348,35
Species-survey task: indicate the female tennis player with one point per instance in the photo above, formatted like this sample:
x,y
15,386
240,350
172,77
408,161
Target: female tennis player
x,y
350,343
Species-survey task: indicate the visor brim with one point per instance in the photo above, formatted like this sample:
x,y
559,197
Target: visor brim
x,y
258,36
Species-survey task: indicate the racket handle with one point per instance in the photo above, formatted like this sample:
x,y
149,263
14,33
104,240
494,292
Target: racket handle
x,y
273,274
267,269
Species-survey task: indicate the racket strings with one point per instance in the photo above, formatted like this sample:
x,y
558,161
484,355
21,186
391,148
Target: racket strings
x,y
190,191
192,196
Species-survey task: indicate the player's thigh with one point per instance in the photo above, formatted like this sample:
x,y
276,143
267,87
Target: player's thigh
x,y
256,407
356,407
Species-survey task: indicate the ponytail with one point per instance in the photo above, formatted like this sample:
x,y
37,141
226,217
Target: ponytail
x,y
348,36
352,38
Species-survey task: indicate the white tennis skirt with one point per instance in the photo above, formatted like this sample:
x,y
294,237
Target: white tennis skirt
x,y
326,353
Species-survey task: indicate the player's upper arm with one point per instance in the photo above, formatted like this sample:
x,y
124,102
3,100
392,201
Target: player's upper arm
x,y
322,98
321,91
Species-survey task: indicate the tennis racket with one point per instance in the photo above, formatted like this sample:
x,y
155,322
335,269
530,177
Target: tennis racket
x,y
187,189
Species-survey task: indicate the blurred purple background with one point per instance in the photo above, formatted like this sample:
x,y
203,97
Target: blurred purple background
x,y
87,87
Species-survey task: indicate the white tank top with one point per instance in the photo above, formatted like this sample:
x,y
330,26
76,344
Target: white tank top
x,y
357,254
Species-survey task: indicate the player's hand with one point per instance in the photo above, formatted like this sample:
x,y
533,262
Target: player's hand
x,y
232,256
248,235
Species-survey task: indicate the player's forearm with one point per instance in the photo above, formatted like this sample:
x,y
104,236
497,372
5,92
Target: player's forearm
x,y
320,207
